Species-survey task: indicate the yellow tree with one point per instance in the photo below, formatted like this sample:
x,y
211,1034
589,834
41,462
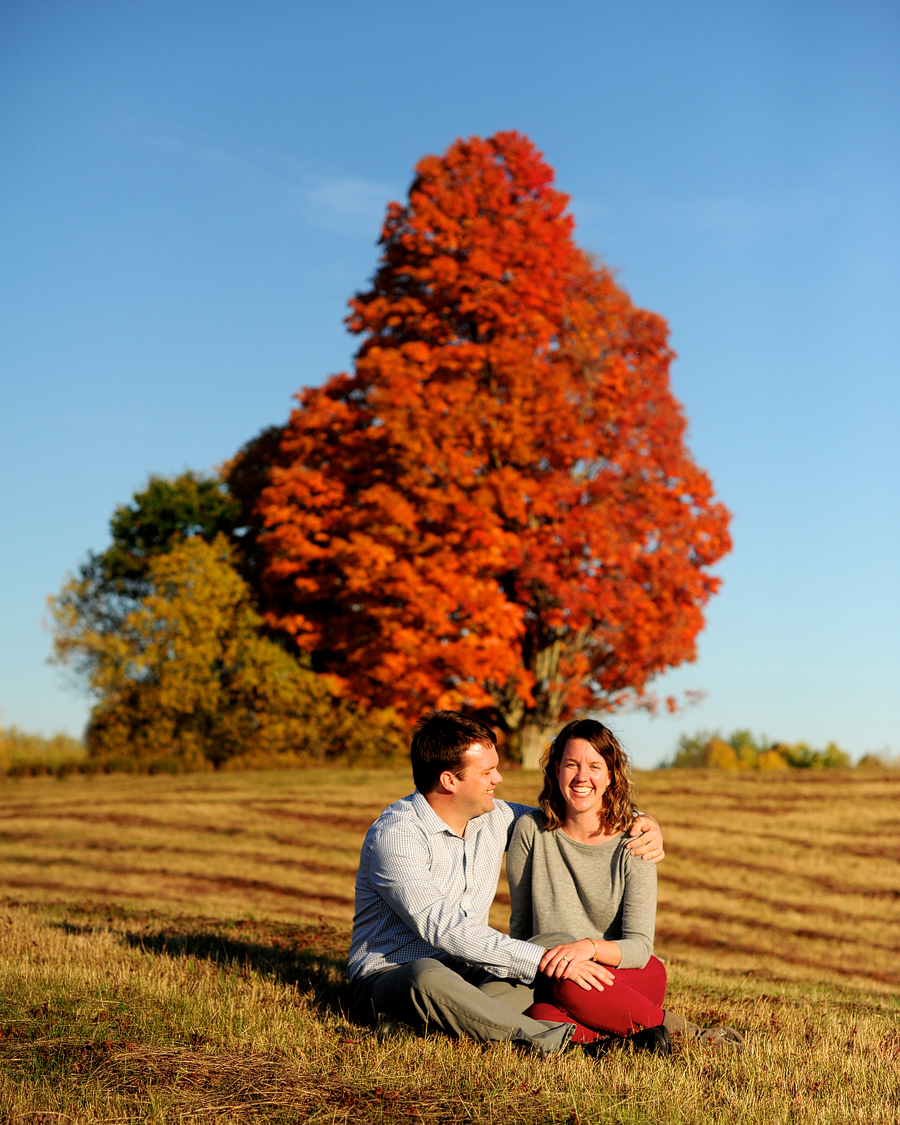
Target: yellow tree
x,y
188,679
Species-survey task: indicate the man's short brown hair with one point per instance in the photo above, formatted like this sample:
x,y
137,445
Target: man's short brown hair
x,y
440,742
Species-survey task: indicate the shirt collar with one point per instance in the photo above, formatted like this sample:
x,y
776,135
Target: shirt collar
x,y
428,816
433,822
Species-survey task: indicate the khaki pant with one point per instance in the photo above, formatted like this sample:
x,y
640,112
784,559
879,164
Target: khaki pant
x,y
460,1000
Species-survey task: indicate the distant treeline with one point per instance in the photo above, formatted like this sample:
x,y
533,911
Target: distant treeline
x,y
24,754
32,755
742,751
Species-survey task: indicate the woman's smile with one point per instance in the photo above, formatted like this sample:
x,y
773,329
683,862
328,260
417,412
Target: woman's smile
x,y
583,776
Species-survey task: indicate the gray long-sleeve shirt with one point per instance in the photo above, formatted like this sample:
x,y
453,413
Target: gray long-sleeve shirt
x,y
587,890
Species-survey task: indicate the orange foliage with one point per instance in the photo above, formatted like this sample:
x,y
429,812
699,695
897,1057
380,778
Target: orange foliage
x,y
496,511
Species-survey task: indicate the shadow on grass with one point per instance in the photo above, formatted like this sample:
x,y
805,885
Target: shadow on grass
x,y
311,958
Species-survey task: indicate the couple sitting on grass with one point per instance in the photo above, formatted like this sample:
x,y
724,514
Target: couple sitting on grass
x,y
578,964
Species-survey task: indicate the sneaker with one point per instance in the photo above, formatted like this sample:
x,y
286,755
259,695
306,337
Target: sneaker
x,y
387,1026
722,1038
656,1040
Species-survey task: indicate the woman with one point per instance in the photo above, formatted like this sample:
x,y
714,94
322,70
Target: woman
x,y
569,870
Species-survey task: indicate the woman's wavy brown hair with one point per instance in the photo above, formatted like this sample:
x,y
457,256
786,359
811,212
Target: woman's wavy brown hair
x,y
618,809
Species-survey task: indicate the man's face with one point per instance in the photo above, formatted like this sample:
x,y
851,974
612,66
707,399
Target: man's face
x,y
475,786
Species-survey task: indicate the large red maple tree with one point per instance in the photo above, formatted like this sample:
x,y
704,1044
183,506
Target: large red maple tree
x,y
496,511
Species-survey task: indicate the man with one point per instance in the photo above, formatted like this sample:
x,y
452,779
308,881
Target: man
x,y
422,951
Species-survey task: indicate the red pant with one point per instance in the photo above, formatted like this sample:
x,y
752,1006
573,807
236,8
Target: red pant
x,y
633,1001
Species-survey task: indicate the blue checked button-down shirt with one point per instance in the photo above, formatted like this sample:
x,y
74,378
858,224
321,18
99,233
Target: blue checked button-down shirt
x,y
424,891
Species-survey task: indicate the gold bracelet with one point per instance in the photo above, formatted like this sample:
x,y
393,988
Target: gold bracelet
x,y
596,950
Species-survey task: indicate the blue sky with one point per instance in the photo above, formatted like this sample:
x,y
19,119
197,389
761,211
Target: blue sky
x,y
191,191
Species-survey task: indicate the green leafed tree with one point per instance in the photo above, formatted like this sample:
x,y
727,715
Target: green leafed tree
x,y
162,628
168,510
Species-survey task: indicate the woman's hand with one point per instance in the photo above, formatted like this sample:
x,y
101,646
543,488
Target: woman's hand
x,y
646,841
588,975
573,962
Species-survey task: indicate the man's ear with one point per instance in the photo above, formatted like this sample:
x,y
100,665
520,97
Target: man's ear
x,y
448,781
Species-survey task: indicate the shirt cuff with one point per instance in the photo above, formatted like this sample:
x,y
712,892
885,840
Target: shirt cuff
x,y
526,960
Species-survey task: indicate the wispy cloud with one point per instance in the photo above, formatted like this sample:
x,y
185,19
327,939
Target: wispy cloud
x,y
347,202
350,205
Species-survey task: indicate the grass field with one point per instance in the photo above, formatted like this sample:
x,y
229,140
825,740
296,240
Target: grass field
x,y
172,949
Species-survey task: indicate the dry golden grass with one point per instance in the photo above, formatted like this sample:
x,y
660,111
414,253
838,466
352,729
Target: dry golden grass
x,y
172,949
791,876
280,845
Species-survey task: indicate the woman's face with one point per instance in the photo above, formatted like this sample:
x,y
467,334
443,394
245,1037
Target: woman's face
x,y
583,777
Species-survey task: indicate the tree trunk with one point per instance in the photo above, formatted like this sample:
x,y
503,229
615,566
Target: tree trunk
x,y
534,740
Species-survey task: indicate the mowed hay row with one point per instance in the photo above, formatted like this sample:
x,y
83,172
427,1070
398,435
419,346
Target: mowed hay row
x,y
795,875
790,875
280,844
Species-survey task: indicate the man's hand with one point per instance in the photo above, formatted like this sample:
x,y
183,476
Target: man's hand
x,y
647,841
573,962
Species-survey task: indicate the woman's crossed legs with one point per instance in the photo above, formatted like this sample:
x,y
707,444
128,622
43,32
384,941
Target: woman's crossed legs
x,y
633,1001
